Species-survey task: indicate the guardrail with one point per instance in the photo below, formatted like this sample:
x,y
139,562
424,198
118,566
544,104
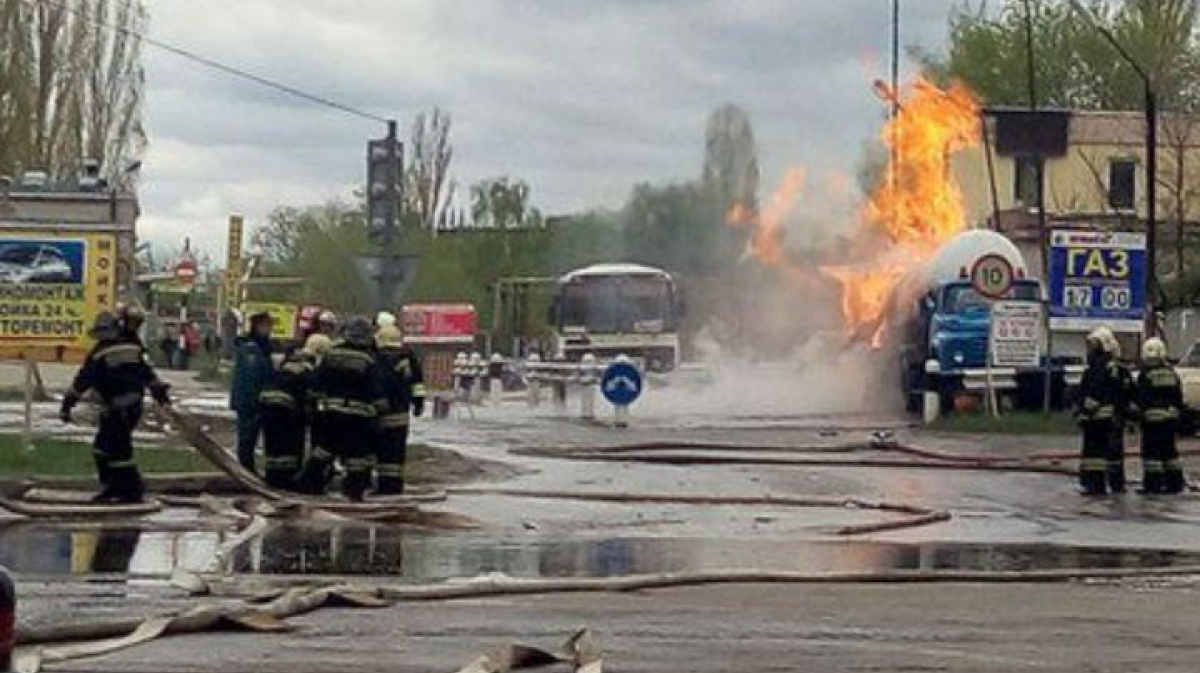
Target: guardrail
x,y
478,380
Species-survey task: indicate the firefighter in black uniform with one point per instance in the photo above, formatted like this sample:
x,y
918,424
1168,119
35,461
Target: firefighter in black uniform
x,y
1103,398
348,400
284,410
1159,400
404,388
119,371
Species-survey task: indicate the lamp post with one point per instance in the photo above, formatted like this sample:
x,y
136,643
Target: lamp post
x,y
1150,106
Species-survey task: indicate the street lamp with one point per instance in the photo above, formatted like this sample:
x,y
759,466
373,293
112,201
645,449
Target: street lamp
x,y
1151,113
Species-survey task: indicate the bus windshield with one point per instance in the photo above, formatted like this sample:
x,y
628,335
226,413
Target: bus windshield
x,y
614,304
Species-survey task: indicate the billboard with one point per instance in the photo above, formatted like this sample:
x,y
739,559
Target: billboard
x,y
1097,278
53,285
439,323
283,317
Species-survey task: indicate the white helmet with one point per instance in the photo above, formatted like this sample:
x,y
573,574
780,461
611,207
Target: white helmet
x,y
1154,351
385,319
1106,341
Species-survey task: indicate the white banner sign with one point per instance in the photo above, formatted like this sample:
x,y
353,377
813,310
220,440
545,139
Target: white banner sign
x,y
1016,334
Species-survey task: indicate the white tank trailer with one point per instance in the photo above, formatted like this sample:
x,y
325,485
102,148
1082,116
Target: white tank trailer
x,y
934,314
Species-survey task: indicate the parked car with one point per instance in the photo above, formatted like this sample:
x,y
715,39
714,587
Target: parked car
x,y
1189,374
33,263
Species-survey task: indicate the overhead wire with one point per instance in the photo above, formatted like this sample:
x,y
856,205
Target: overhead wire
x,y
212,63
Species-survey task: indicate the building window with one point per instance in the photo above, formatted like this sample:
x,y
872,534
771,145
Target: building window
x,y
1121,184
1026,180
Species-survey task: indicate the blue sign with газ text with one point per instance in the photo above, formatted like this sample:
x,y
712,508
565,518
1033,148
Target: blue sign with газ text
x,y
1097,278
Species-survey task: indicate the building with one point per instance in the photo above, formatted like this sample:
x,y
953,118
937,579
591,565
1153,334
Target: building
x,y
66,253
1093,175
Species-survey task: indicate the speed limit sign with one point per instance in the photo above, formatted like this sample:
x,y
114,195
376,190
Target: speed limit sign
x,y
992,276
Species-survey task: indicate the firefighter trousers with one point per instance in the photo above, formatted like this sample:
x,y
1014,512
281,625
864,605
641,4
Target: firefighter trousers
x,y
1102,461
391,453
350,438
1162,471
284,430
113,449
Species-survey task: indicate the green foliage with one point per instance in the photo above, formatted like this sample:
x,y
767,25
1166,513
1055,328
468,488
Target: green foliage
x,y
70,90
1074,65
680,228
52,457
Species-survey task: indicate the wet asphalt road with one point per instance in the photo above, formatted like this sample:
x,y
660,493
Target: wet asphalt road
x,y
1000,521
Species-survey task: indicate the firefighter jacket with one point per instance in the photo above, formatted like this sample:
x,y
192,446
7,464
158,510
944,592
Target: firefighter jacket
x,y
403,384
1104,393
1159,394
349,381
288,386
251,371
120,372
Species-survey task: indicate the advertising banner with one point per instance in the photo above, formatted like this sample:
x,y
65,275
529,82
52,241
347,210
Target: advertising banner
x,y
283,317
53,285
439,323
1097,278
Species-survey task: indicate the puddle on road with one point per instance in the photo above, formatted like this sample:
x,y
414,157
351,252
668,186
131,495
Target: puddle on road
x,y
370,550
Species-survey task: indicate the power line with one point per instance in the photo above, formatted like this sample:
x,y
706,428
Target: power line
x,y
215,65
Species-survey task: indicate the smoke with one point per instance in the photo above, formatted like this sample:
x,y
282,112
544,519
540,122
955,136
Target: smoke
x,y
823,375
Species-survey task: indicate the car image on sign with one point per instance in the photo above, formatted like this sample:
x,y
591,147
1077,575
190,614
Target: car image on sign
x,y
34,263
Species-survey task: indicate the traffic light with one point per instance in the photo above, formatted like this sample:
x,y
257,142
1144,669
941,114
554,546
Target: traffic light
x,y
385,157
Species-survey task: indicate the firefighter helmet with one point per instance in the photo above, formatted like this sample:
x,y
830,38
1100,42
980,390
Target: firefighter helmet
x,y
389,336
358,331
316,345
1154,351
130,316
106,326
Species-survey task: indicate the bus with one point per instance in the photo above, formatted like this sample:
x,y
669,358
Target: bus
x,y
614,309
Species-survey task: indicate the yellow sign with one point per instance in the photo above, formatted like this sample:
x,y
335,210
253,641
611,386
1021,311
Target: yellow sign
x,y
283,317
233,260
52,285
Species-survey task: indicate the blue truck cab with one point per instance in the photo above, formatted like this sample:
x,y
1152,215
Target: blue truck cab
x,y
950,325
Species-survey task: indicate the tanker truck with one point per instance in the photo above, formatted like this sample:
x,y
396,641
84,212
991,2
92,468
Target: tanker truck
x,y
935,314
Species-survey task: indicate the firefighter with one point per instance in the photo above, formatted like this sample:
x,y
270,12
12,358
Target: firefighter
x,y
251,371
131,317
348,400
119,371
404,388
1159,400
1101,394
283,407
1126,411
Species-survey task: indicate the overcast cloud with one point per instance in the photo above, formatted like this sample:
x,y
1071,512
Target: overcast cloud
x,y
581,98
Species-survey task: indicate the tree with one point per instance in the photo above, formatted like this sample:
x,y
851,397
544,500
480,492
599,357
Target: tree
x,y
1075,67
71,89
428,190
678,227
318,243
501,203
731,157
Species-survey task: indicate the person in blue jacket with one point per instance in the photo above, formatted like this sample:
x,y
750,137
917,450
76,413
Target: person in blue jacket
x,y
252,371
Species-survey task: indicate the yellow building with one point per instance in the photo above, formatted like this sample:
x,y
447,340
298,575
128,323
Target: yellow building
x,y
1094,174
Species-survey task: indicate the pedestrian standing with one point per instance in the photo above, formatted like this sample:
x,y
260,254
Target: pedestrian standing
x,y
251,372
1102,392
118,369
348,400
1159,401
404,388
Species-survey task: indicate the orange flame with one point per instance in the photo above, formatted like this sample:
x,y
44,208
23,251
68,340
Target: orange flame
x,y
916,208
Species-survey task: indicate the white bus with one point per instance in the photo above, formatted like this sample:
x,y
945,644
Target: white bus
x,y
613,309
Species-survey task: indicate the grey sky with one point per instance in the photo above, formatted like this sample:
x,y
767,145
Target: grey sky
x,y
581,98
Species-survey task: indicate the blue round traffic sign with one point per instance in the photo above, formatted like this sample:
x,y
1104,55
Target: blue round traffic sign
x,y
621,384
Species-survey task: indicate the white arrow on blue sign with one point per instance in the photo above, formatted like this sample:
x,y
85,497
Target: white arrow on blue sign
x,y
621,384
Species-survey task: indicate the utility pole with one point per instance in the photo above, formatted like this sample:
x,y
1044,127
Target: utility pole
x,y
384,186
1150,105
1043,232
